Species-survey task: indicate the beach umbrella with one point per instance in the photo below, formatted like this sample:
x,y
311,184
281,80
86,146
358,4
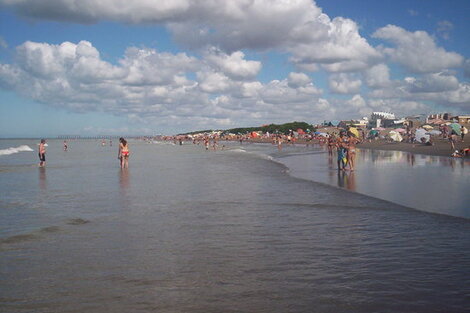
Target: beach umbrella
x,y
395,136
455,127
421,133
427,127
323,134
354,131
400,130
378,128
373,132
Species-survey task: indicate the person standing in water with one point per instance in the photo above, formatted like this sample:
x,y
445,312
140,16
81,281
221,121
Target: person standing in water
x,y
123,153
351,150
42,153
341,152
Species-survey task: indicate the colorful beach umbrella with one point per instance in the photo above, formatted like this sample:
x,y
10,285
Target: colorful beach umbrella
x,y
353,130
455,127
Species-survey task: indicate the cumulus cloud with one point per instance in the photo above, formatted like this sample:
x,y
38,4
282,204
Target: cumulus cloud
x,y
436,82
149,86
344,83
417,51
377,76
296,26
234,65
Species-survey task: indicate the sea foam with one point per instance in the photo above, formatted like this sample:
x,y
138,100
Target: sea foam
x,y
9,151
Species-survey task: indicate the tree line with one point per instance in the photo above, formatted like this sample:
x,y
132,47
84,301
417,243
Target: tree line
x,y
271,128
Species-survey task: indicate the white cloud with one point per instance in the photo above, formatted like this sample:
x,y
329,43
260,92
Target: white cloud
x,y
417,51
151,87
377,76
234,65
295,26
296,80
444,28
436,82
344,83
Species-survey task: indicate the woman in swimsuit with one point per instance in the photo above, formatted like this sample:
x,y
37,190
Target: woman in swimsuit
x,y
123,153
351,147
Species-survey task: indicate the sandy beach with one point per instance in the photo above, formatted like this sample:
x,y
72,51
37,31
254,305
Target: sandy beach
x,y
440,147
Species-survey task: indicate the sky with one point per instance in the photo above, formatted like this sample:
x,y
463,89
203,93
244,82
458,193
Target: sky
x,y
143,67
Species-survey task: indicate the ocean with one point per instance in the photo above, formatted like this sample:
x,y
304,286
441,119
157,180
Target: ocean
x,y
244,229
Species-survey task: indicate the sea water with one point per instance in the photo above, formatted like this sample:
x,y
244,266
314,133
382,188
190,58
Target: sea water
x,y
189,230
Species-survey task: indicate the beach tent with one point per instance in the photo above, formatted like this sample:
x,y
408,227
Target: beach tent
x,y
455,127
395,136
254,134
354,131
421,133
300,131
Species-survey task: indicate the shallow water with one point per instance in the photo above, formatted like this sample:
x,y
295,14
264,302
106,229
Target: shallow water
x,y
427,183
188,230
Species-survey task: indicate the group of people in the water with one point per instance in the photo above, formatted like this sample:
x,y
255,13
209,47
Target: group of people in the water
x,y
345,146
123,152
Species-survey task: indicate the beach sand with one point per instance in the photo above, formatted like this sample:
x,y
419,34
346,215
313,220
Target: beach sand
x,y
441,147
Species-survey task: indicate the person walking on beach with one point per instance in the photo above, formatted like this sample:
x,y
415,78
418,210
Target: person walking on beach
x,y
453,140
463,132
65,145
42,153
123,154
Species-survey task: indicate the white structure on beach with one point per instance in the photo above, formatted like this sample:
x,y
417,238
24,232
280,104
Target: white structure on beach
x,y
376,118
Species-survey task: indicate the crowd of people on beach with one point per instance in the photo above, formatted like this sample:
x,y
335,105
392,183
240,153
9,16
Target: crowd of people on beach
x,y
341,141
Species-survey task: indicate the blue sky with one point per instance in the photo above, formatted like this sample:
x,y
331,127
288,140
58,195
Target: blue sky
x,y
96,68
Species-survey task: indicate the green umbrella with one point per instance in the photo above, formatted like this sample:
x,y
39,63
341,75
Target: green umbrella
x,y
456,128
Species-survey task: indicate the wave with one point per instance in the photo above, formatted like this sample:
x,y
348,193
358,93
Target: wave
x,y
23,148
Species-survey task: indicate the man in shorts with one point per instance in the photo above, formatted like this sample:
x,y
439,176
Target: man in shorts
x,y
42,153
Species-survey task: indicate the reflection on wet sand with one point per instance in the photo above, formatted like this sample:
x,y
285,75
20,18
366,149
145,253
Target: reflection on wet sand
x,y
428,183
42,178
124,179
344,179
